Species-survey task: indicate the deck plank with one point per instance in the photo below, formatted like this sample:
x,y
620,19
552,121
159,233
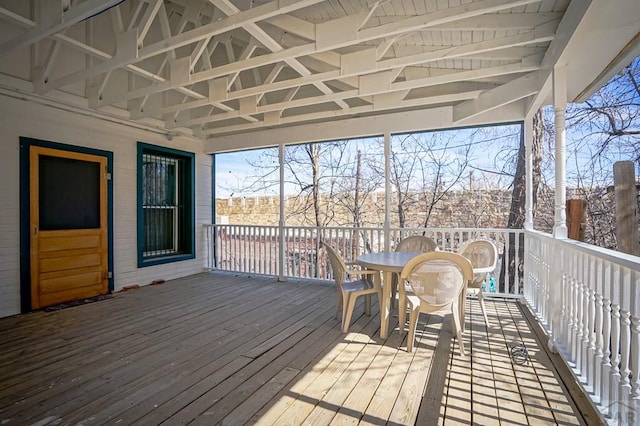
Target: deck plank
x,y
216,348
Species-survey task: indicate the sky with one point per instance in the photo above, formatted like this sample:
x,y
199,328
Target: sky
x,y
490,151
234,172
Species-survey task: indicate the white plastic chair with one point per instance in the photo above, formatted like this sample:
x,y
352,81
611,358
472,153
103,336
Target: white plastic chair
x,y
349,291
436,282
483,255
417,243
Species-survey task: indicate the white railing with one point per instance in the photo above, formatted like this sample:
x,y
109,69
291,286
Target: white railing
x,y
588,300
256,249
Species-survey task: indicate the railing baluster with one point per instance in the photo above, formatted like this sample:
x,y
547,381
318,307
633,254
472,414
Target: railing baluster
x,y
244,245
238,251
615,343
591,333
599,309
607,339
247,248
635,334
579,325
625,336
586,323
232,259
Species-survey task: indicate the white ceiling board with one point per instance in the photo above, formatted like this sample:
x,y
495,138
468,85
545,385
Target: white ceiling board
x,y
211,67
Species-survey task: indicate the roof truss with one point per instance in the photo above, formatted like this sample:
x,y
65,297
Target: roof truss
x,y
219,67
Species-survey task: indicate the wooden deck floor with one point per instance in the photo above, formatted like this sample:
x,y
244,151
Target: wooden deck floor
x,y
220,349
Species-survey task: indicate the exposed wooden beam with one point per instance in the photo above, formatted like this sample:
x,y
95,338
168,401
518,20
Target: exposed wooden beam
x,y
573,16
433,118
134,55
359,66
440,17
149,15
294,25
89,50
515,90
490,22
381,105
386,98
259,34
341,32
56,22
379,87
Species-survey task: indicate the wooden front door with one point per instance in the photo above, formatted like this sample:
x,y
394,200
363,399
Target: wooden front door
x,y
68,226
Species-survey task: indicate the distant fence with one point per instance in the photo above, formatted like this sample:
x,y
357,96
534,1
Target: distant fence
x,y
255,249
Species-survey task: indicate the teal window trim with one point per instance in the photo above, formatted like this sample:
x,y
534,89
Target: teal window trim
x,y
186,202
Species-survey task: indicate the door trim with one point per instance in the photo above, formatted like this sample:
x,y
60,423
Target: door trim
x,y
25,208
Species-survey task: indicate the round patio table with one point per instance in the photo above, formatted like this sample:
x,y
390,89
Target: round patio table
x,y
387,262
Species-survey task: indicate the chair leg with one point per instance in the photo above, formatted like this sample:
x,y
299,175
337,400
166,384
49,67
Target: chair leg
x,y
455,314
462,305
339,303
367,304
350,305
482,307
344,303
402,312
413,324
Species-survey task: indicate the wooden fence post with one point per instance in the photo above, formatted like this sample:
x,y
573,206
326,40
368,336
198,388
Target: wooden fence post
x,y
576,218
624,180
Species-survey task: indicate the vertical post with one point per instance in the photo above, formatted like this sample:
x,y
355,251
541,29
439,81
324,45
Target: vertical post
x,y
624,180
559,107
281,224
212,245
527,130
356,209
557,282
387,190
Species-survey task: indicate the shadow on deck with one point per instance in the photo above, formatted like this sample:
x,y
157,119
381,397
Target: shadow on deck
x,y
218,348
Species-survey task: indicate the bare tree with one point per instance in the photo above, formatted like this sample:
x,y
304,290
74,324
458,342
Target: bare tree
x,y
517,209
305,171
404,166
424,168
611,116
325,179
442,169
602,130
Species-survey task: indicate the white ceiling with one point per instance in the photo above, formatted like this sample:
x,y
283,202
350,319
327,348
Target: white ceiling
x,y
222,68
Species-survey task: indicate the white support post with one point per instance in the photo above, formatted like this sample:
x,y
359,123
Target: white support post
x,y
281,222
557,281
387,190
527,129
559,107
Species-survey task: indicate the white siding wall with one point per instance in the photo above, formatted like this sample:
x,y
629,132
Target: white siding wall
x,y
20,118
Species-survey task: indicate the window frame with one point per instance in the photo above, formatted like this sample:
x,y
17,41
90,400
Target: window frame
x,y
185,180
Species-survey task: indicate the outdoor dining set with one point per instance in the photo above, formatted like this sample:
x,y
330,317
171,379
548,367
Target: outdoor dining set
x,y
424,279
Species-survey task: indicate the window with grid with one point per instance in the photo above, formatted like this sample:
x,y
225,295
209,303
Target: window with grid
x,y
165,205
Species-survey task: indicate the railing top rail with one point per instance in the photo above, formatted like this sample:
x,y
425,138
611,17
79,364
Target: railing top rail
x,y
244,225
456,229
375,228
623,259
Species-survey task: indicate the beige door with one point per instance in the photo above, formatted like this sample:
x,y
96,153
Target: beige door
x,y
68,218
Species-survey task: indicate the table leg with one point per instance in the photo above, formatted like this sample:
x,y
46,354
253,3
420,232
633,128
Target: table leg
x,y
462,300
385,304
